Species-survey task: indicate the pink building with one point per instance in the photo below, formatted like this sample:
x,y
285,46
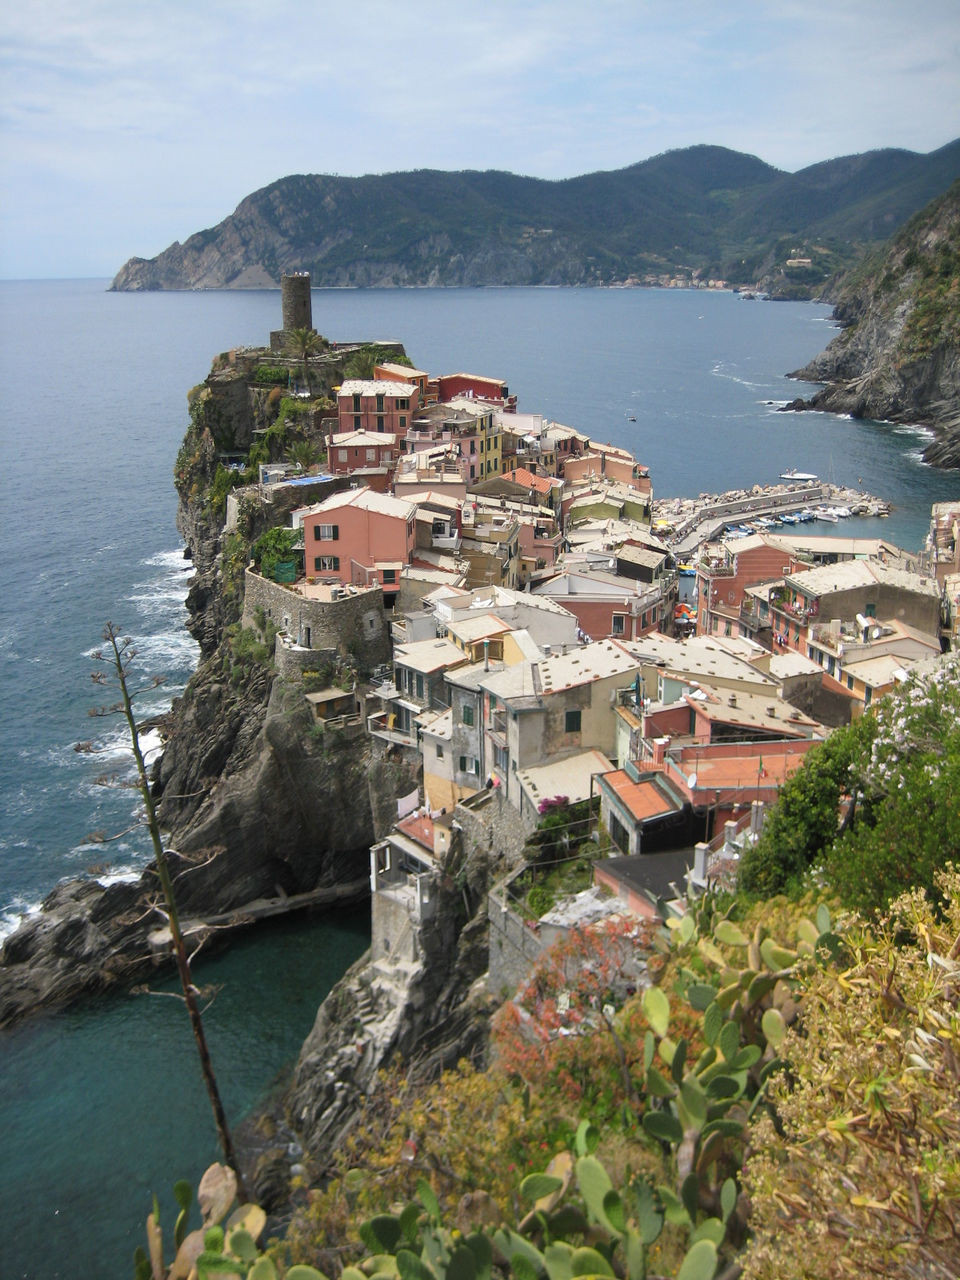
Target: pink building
x,y
358,537
725,571
350,451
608,462
370,405
493,391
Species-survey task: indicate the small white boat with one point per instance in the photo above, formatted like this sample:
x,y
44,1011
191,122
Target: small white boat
x,y
793,474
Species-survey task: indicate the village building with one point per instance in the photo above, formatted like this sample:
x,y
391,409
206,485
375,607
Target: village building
x,y
361,452
607,462
359,537
608,604
537,712
390,372
377,406
845,591
941,553
524,486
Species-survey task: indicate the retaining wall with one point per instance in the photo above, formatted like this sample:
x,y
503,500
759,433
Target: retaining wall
x,y
353,624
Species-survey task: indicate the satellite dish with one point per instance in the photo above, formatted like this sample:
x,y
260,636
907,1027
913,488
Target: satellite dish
x,y
692,781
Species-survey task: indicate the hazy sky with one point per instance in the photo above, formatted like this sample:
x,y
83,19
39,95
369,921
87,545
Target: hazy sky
x,y
126,126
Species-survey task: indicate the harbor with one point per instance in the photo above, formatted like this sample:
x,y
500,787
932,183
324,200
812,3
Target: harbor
x,y
686,524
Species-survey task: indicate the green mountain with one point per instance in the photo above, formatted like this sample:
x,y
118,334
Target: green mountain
x,y
693,214
897,357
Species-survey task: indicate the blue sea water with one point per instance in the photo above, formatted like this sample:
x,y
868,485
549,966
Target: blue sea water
x,y
101,1105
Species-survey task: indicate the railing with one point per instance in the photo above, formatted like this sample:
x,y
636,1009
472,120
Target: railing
x,y
716,570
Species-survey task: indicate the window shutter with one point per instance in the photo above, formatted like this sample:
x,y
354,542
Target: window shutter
x,y
336,532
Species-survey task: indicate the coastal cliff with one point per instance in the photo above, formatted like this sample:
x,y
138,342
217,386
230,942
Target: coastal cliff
x,y
897,357
259,808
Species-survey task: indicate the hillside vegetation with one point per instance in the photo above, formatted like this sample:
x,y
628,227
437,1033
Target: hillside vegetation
x,y
702,212
897,357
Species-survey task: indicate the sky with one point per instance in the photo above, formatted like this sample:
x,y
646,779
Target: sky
x,y
127,126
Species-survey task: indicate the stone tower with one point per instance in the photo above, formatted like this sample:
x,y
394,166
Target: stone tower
x,y
297,309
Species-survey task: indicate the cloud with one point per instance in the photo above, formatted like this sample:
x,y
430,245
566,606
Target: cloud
x,y
142,124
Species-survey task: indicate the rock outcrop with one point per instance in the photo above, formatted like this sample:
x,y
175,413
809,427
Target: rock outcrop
x,y
897,357
431,1012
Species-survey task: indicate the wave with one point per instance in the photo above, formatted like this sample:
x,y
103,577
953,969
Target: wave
x,y
170,560
13,915
914,429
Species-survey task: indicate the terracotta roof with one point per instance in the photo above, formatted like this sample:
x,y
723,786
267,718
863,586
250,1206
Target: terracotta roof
x,y
520,475
641,799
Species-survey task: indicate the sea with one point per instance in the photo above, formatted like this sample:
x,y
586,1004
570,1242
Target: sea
x,y
102,1106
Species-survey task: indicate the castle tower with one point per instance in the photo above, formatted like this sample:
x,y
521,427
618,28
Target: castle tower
x,y
297,308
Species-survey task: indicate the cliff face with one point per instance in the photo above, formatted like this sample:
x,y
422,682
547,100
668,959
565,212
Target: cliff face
x,y
897,357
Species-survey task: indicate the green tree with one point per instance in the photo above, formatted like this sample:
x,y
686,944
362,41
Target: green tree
x,y
305,453
805,820
301,344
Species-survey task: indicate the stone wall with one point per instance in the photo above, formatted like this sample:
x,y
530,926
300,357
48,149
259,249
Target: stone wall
x,y
354,623
493,827
514,947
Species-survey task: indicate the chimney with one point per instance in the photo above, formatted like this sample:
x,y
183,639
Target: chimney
x,y
659,751
486,655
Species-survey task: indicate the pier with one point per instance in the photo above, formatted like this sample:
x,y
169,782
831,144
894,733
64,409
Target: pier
x,y
687,523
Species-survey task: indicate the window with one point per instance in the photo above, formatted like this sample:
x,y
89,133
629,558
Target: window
x,y
371,455
403,403
466,713
473,446
469,764
419,685
342,455
327,564
357,422
439,751
501,759
571,721
356,403
326,532
618,834
379,421
619,627
403,422
379,404
389,575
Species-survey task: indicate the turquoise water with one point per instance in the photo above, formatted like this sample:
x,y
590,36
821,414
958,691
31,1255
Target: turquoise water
x,y
101,1105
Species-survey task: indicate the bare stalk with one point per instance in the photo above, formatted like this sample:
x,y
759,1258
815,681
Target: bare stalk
x,y
120,657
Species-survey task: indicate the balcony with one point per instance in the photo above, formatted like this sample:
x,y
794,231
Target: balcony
x,y
385,725
715,569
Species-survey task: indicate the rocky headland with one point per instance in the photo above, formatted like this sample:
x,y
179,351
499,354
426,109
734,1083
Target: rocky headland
x,y
265,813
897,357
697,215
261,811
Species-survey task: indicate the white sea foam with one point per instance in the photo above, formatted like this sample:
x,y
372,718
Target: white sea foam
x,y
173,560
13,915
914,429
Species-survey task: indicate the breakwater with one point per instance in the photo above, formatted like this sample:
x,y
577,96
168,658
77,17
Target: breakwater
x,y
687,523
